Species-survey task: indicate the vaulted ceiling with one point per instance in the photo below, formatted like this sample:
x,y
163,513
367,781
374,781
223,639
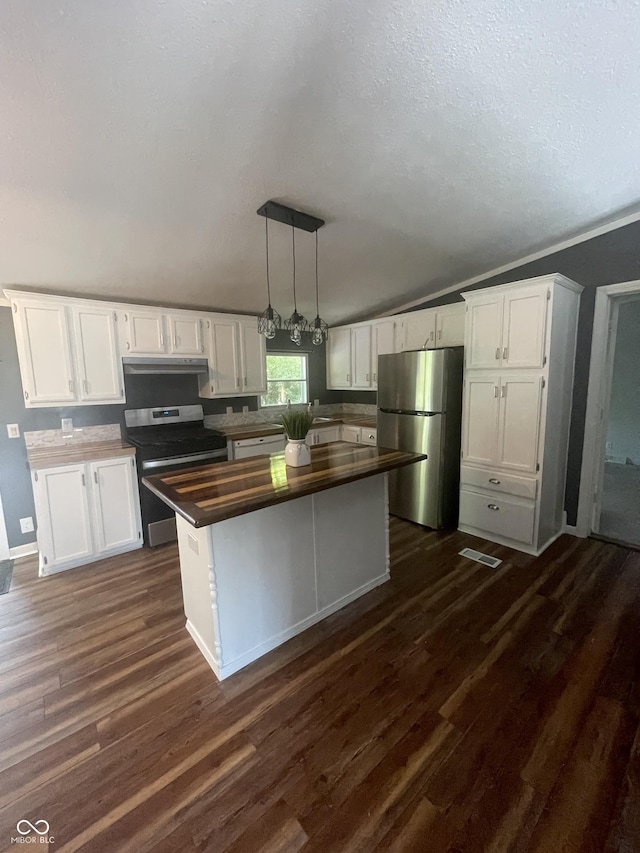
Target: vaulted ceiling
x,y
439,139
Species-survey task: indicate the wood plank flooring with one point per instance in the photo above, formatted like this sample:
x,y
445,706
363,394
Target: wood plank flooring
x,y
457,708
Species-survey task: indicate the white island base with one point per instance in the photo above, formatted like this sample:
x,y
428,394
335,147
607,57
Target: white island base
x,y
252,582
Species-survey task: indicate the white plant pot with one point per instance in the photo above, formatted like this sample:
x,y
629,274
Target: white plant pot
x,y
297,453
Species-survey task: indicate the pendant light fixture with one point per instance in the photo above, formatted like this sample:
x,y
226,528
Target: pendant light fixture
x,y
269,321
319,329
296,324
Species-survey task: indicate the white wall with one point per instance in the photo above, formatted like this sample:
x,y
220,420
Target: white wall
x,y
624,414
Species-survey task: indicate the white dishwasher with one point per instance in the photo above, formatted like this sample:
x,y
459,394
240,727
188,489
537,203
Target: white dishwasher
x,y
263,446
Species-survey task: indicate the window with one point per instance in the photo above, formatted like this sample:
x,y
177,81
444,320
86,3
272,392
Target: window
x,y
286,379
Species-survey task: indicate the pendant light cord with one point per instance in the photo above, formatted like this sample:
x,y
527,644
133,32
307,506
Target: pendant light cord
x,y
266,228
317,297
293,242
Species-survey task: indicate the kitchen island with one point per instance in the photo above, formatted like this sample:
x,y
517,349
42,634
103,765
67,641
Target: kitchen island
x,y
267,551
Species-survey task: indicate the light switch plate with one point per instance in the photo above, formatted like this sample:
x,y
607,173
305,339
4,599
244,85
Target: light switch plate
x,y
13,430
67,424
26,524
245,408
316,402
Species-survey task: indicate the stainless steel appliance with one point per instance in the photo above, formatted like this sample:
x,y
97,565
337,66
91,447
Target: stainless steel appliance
x,y
419,410
143,366
169,438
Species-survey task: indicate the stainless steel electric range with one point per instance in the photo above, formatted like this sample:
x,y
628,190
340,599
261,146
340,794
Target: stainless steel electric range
x,y
169,438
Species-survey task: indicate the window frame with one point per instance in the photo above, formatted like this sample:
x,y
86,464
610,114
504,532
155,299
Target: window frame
x,y
305,381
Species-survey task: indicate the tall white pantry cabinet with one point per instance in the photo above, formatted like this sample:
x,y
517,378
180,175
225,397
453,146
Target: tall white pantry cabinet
x,y
520,342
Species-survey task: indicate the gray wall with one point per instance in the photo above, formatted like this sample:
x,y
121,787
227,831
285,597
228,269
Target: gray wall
x,y
623,433
608,259
140,391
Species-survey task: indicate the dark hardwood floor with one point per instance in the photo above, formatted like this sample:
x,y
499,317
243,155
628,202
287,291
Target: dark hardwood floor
x,y
457,708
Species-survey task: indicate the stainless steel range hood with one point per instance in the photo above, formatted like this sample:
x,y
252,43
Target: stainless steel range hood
x,y
164,365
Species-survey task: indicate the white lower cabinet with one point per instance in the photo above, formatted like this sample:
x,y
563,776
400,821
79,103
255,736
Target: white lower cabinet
x,y
324,435
86,511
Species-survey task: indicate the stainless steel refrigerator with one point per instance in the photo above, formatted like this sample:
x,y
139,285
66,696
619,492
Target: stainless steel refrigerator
x,y
420,409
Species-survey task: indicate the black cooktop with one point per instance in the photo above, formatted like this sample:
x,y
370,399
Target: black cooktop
x,y
179,435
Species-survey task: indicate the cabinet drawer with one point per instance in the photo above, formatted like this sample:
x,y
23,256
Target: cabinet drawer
x,y
498,481
505,517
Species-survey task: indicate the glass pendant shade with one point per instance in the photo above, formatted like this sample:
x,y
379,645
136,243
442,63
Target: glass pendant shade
x,y
319,331
269,322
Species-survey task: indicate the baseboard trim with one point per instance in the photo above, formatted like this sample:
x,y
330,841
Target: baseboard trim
x,y
572,530
25,550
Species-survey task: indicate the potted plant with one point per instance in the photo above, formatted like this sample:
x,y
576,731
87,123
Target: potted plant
x,y
296,426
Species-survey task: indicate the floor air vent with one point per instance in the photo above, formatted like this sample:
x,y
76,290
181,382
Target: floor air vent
x,y
479,557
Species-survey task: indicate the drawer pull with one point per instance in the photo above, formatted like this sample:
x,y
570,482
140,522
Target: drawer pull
x,y
494,481
494,507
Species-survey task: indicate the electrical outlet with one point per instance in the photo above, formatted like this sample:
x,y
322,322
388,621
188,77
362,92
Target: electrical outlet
x,y
609,445
67,424
26,524
316,402
229,410
13,430
245,408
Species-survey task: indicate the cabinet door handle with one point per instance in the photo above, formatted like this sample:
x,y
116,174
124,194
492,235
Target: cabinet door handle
x,y
497,352
439,334
505,352
162,341
495,390
494,481
95,477
71,386
128,345
375,377
431,335
175,342
503,390
348,377
245,382
26,395
84,482
367,377
238,382
494,507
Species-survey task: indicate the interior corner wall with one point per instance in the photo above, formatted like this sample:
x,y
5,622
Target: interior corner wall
x,y
610,258
623,433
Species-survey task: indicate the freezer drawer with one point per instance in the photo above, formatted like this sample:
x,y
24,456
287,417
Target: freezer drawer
x,y
505,517
498,481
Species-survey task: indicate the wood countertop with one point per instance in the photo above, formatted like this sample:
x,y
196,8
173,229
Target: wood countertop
x,y
213,493
234,432
68,454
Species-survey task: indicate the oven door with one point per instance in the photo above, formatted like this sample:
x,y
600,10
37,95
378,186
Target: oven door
x,y
159,520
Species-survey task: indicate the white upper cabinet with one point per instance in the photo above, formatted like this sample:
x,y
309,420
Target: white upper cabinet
x,y
339,358
382,343
418,330
145,332
44,350
507,329
99,366
524,326
68,353
483,337
450,325
361,356
253,357
237,358
185,334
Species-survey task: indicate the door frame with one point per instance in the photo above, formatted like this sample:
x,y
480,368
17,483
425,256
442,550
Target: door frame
x,y
608,299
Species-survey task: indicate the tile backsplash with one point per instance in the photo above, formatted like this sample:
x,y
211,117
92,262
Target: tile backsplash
x,y
80,435
272,414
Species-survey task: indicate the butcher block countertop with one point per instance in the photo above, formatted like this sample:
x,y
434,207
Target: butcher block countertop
x,y
68,454
213,493
234,432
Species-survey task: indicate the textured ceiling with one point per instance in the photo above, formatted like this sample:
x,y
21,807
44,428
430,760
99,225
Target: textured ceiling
x,y
439,139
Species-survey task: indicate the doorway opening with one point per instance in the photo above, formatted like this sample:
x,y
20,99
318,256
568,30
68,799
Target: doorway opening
x,y
610,494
